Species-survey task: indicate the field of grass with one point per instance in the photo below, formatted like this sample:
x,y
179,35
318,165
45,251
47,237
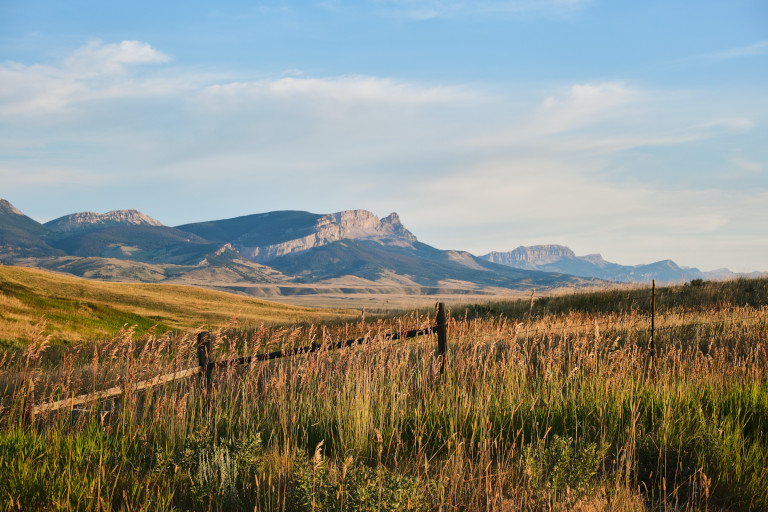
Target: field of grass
x,y
550,404
35,303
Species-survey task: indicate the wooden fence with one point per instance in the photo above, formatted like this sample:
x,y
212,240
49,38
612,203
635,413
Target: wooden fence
x,y
206,366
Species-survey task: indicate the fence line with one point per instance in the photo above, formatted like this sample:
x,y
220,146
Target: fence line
x,y
206,366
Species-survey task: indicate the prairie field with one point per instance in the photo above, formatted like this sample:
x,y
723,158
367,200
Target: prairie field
x,y
552,403
68,309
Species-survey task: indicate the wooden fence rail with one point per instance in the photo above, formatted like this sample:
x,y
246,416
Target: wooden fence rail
x,y
206,366
115,391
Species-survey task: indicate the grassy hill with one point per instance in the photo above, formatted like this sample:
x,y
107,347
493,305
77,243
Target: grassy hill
x,y
37,303
159,244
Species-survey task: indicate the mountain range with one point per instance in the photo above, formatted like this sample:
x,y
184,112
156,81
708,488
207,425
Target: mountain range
x,y
294,252
558,258
267,254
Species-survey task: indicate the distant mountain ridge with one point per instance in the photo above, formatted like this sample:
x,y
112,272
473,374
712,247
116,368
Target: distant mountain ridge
x,y
89,220
558,258
292,249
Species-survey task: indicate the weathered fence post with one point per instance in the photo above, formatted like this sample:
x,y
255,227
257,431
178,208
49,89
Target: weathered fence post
x,y
203,356
29,400
652,344
442,334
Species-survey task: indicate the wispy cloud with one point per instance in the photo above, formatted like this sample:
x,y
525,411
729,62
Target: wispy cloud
x,y
429,9
43,176
759,48
95,71
585,104
342,89
100,72
731,123
749,165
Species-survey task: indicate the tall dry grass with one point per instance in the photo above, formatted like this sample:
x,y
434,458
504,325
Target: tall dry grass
x,y
551,411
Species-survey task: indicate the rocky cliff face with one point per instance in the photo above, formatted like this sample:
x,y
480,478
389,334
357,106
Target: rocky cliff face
x,y
89,220
531,257
350,224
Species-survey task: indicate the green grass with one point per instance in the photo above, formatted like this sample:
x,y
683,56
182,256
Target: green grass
x,y
700,295
526,416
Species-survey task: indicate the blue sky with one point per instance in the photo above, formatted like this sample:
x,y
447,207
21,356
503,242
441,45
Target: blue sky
x,y
634,129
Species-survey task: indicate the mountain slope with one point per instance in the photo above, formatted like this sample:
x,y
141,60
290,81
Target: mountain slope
x,y
421,264
256,230
145,243
21,236
267,236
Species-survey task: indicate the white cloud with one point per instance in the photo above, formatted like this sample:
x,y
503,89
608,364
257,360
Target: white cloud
x,y
583,105
97,57
95,71
100,71
595,117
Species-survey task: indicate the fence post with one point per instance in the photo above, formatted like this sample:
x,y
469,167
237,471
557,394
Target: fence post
x,y
652,345
29,401
442,333
203,356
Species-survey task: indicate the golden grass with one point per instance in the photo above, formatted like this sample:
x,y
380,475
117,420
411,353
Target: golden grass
x,y
551,406
75,309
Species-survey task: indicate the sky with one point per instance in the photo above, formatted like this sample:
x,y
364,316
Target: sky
x,y
638,130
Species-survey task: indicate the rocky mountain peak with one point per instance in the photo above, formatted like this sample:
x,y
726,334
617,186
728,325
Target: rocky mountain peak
x,y
6,207
392,222
90,220
362,225
393,218
348,224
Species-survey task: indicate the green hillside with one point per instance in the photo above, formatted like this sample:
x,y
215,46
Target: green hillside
x,y
36,303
